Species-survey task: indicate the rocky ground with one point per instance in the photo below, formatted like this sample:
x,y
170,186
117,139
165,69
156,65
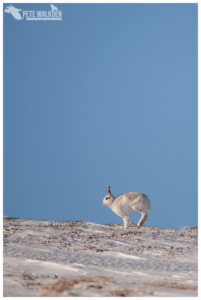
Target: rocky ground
x,y
48,258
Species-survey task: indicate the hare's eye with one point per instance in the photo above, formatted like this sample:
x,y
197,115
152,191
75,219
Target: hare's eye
x,y
107,198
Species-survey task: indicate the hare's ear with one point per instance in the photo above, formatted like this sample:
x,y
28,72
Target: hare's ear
x,y
109,190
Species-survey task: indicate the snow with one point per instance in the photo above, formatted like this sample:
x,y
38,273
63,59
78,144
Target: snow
x,y
49,258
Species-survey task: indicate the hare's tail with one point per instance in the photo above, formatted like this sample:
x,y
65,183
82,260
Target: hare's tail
x,y
146,202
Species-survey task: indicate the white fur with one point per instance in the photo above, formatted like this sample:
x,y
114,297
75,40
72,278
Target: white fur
x,y
126,203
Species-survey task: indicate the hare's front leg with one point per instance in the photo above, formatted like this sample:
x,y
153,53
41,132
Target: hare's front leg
x,y
143,218
125,219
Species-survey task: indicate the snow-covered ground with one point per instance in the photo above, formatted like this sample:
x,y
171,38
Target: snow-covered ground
x,y
48,258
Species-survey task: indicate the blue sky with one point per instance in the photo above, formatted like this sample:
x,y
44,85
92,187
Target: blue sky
x,y
107,96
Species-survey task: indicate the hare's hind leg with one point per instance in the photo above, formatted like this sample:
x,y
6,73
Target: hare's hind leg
x,y
143,218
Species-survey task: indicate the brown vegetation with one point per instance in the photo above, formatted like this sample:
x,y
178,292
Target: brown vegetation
x,y
60,286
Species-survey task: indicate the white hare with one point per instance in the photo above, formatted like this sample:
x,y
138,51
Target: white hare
x,y
126,203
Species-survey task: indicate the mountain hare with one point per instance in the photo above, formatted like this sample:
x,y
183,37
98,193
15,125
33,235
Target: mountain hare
x,y
125,203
